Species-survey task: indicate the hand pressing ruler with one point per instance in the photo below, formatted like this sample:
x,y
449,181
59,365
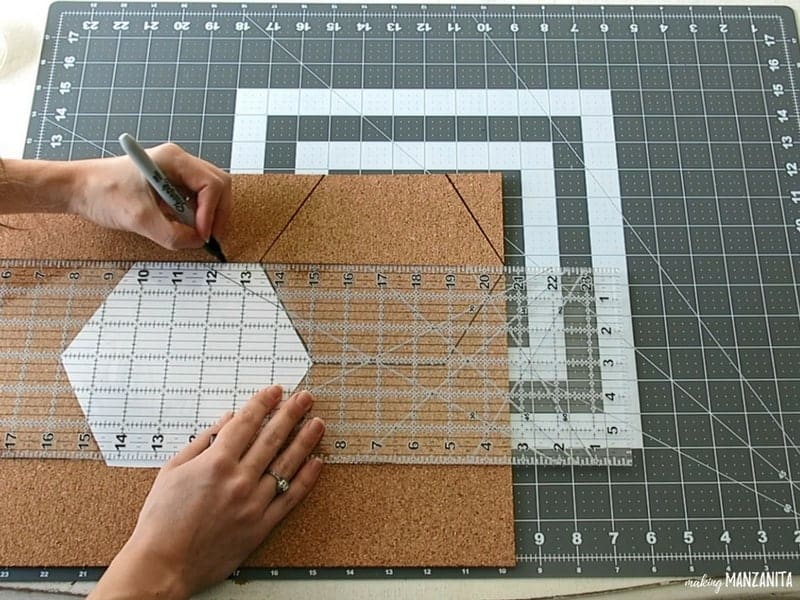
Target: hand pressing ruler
x,y
128,361
689,114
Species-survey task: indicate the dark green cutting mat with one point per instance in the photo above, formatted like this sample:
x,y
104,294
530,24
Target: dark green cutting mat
x,y
687,118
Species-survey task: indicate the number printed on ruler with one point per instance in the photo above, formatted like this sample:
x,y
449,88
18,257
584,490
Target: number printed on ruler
x,y
407,364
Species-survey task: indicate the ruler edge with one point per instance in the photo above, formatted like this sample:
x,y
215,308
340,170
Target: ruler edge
x,y
610,453
60,5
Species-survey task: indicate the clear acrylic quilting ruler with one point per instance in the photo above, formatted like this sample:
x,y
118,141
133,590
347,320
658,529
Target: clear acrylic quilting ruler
x,y
128,362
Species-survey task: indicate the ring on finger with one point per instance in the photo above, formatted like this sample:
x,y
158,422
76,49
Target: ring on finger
x,y
281,483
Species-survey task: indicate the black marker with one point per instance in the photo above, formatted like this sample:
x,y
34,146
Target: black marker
x,y
156,178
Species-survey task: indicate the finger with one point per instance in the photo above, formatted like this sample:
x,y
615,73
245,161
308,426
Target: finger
x,y
292,458
224,208
210,184
214,203
238,434
210,196
165,232
276,432
200,443
301,485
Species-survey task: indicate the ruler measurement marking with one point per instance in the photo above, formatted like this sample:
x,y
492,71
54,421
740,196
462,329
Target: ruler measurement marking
x,y
786,40
412,305
416,336
168,362
23,369
112,88
641,16
328,84
58,371
343,361
177,69
299,83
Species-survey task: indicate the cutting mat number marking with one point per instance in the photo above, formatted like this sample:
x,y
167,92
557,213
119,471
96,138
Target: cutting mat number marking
x,y
688,507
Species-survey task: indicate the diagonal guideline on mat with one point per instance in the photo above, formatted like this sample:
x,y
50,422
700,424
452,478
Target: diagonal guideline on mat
x,y
695,167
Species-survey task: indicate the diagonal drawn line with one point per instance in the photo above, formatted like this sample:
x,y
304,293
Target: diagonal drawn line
x,y
489,425
635,233
500,329
532,370
474,218
292,218
432,327
265,296
477,312
571,147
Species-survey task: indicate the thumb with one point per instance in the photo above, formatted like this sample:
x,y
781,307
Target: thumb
x,y
200,443
168,233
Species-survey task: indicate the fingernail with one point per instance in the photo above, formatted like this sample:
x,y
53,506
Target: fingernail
x,y
274,391
305,400
317,425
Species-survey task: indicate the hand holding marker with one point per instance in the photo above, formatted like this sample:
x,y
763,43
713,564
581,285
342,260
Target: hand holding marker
x,y
156,178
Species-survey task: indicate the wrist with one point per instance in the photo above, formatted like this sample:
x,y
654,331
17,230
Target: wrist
x,y
40,186
137,573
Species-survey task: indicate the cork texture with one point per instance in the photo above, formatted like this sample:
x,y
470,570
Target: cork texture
x,y
79,513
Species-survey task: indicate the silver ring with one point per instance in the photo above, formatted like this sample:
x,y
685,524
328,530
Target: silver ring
x,y
282,484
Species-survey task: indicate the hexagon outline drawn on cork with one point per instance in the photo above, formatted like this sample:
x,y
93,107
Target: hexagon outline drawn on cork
x,y
144,362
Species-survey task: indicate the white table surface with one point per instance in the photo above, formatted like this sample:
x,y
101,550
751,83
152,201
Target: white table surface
x,y
22,22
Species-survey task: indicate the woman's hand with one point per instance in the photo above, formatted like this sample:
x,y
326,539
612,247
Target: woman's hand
x,y
113,193
214,503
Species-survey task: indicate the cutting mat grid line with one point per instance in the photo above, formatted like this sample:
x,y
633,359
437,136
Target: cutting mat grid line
x,y
680,122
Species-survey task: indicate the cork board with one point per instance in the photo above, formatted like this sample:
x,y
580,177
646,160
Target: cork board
x,y
418,515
